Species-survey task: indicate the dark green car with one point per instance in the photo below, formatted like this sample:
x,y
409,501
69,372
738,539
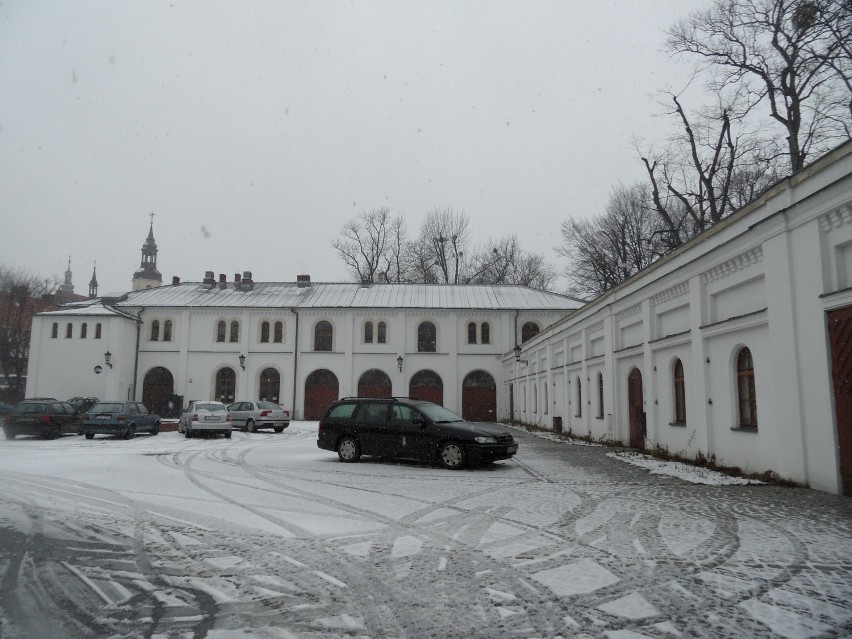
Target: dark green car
x,y
45,418
120,419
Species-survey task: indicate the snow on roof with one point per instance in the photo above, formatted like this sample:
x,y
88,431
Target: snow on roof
x,y
89,308
351,295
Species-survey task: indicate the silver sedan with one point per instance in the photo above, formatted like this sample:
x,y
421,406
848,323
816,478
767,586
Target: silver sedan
x,y
253,415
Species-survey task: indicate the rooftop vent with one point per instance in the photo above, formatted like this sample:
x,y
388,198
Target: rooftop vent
x,y
208,281
303,281
175,280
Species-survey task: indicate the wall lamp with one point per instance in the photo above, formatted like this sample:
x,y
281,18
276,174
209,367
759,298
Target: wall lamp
x,y
243,362
107,357
518,356
399,361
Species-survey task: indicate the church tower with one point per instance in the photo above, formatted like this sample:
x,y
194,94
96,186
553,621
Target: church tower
x,y
67,287
147,275
93,283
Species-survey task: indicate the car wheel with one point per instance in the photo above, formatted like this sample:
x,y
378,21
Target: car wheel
x,y
348,449
54,432
187,433
10,434
130,432
227,434
279,429
90,435
250,427
452,455
156,429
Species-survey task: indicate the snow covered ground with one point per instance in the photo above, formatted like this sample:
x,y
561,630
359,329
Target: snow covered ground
x,y
266,536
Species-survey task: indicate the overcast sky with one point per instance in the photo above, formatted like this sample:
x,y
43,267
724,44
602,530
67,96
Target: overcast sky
x,y
254,130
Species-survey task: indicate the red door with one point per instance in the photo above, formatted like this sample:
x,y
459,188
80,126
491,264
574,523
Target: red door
x,y
427,385
374,383
321,390
840,337
636,409
479,397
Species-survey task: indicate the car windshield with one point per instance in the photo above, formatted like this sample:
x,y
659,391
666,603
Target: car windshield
x,y
31,408
438,414
107,407
268,405
210,406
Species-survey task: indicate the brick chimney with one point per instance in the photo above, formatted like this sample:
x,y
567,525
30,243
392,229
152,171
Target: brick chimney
x,y
303,281
223,281
247,282
175,280
208,281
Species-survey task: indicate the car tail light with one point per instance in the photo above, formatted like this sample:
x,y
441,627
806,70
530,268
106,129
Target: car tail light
x,y
287,414
194,418
45,419
265,413
228,418
86,418
121,418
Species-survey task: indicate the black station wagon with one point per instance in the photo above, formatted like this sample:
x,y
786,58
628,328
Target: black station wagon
x,y
404,428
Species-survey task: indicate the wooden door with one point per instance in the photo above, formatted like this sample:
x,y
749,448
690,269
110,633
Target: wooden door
x,y
479,397
321,390
636,409
840,337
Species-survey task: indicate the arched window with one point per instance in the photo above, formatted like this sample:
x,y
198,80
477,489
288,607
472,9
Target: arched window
x,y
155,330
323,336
368,332
426,338
600,396
382,333
54,331
578,409
264,332
745,390
98,330
226,382
84,328
278,335
270,385
528,331
679,393
167,331
235,331
485,333
68,330
220,331
471,333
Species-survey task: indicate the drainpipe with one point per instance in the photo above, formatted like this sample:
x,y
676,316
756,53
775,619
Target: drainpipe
x,y
295,359
136,358
517,314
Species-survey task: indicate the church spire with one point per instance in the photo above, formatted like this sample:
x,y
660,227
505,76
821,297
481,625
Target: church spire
x,y
93,283
67,287
147,275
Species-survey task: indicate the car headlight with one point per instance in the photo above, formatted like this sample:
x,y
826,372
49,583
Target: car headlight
x,y
485,440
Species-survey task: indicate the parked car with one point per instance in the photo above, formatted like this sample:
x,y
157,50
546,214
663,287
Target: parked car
x,y
45,418
83,404
5,409
410,429
251,416
205,417
121,419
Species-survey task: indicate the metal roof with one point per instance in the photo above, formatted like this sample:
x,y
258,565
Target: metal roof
x,y
89,308
350,295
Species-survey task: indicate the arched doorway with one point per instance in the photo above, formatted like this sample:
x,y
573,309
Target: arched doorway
x,y
226,384
321,389
269,388
427,385
157,386
479,397
374,383
636,409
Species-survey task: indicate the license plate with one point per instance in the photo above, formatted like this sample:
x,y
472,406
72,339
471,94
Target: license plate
x,y
102,417
211,418
512,449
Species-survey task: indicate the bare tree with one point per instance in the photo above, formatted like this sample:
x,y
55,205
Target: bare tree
x,y
606,250
504,262
792,55
364,243
22,295
439,253
698,179
395,267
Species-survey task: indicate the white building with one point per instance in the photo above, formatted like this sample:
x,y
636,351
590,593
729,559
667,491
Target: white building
x,y
737,345
302,344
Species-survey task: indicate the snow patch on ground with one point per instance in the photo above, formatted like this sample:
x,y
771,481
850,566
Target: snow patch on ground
x,y
686,472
